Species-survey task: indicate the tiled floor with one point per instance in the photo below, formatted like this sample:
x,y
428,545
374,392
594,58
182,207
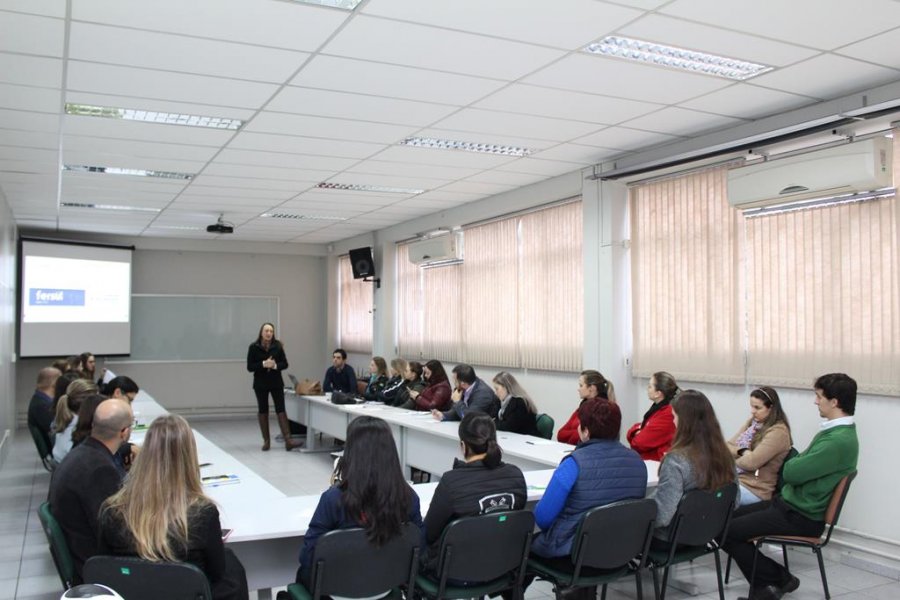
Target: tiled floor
x,y
27,571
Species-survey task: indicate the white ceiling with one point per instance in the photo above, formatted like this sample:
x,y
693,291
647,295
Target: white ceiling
x,y
327,95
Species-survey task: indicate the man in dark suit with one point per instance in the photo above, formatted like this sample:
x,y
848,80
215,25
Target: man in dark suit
x,y
40,408
86,477
471,393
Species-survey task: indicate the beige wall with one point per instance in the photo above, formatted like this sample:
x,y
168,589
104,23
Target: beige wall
x,y
7,326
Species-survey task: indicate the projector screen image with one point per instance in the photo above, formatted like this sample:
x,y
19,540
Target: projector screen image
x,y
74,298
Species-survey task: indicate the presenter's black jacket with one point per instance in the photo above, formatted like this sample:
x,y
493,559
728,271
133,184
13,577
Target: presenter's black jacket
x,y
86,477
263,378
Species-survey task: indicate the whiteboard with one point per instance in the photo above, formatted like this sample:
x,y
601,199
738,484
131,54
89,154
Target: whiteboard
x,y
208,328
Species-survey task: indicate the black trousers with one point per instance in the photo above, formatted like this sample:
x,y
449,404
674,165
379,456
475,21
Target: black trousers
x,y
773,517
262,400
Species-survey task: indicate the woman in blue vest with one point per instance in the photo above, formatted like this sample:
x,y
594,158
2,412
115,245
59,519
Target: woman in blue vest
x,y
599,471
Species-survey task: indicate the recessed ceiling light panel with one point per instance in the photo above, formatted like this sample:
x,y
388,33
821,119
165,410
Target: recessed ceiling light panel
x,y
353,187
133,172
151,116
676,58
280,215
426,142
108,207
343,4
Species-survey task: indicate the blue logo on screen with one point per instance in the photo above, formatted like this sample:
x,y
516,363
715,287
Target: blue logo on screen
x,y
52,297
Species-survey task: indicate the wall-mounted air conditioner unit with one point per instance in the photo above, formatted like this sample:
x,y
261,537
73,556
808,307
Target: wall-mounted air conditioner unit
x,y
858,167
441,249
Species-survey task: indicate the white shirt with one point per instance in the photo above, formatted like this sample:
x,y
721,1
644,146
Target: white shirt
x,y
836,422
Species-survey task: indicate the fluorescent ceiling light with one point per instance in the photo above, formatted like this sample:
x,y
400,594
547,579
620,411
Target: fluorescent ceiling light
x,y
775,209
676,58
345,4
353,187
424,142
150,116
134,172
279,215
108,207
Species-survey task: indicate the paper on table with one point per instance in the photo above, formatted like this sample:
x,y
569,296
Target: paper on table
x,y
539,442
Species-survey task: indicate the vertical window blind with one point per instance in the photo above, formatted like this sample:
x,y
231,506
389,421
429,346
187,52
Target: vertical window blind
x,y
355,319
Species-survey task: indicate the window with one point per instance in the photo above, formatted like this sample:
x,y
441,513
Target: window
x,y
516,300
800,293
355,310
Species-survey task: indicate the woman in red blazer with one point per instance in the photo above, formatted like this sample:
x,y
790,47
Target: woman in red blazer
x,y
652,437
591,384
437,394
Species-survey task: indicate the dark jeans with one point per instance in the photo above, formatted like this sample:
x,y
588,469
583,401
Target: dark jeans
x,y
773,517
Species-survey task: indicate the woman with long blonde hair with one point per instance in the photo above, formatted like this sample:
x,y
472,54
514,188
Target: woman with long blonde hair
x,y
161,513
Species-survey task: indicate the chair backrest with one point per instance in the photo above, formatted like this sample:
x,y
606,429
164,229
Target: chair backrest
x,y
544,426
137,579
779,483
833,512
486,547
346,564
703,515
40,441
608,537
59,549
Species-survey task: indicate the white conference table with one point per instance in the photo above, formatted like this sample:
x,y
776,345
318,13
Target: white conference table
x,y
268,526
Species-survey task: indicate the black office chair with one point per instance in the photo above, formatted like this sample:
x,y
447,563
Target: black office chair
x,y
611,542
838,496
59,549
138,579
489,551
43,447
346,564
700,519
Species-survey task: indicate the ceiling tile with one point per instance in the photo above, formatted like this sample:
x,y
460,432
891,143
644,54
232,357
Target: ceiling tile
x,y
48,8
29,121
30,98
131,81
31,139
139,149
324,127
151,50
365,77
439,49
30,70
249,140
505,178
821,24
563,23
616,77
283,160
250,183
31,34
881,49
747,101
577,153
549,168
489,122
267,173
263,22
476,187
327,103
623,138
28,154
695,36
827,76
681,121
198,188
534,100
396,168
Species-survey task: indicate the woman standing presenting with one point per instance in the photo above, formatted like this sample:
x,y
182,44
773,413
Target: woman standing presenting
x,y
266,360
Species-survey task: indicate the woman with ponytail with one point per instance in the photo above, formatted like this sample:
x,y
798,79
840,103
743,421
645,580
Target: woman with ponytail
x,y
591,384
480,483
652,437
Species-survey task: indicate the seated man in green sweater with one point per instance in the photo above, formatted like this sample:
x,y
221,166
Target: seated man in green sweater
x,y
809,480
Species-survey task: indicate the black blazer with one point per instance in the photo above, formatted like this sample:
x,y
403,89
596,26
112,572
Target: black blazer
x,y
263,378
517,419
83,480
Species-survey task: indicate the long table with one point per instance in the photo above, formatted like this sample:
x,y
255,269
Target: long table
x,y
268,526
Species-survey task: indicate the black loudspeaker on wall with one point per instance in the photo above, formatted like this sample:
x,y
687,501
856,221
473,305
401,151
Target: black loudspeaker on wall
x,y
362,263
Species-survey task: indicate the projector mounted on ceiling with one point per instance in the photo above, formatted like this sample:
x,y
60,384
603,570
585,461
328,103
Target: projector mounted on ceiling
x,y
220,226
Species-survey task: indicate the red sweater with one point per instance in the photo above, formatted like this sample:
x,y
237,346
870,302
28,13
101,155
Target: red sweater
x,y
654,440
436,395
568,433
